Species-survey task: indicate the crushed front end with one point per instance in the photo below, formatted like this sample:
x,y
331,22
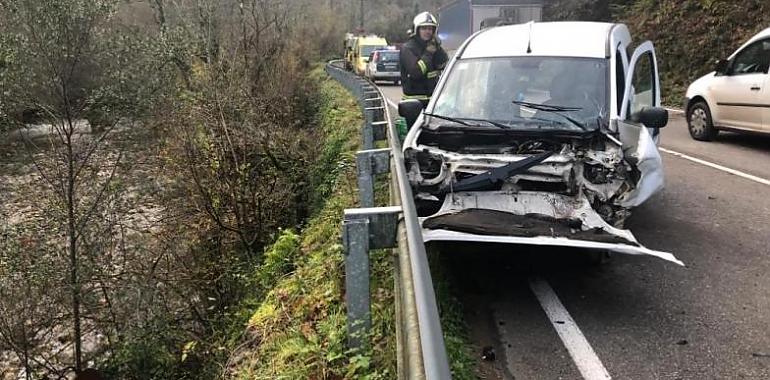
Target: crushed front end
x,y
529,187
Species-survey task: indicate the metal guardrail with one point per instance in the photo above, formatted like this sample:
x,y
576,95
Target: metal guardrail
x,y
421,349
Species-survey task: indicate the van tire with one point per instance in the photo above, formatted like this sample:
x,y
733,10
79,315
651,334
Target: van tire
x,y
699,122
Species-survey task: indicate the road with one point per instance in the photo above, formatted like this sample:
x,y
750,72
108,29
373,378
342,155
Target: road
x,y
643,318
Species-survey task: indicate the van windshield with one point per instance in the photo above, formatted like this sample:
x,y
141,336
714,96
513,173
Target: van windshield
x,y
498,89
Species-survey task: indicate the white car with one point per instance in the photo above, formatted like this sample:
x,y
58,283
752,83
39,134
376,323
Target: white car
x,y
384,65
539,134
736,96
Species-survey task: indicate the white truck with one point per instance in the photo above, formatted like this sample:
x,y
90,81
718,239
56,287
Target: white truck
x,y
539,134
460,19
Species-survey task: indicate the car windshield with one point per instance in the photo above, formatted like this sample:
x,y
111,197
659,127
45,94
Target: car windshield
x,y
388,56
557,88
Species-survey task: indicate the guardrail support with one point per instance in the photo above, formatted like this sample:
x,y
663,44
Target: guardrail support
x,y
379,130
375,113
370,163
364,229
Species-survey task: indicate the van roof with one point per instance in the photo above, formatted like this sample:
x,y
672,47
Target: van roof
x,y
565,39
372,40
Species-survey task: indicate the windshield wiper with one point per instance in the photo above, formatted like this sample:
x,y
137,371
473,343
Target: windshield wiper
x,y
544,107
464,121
555,110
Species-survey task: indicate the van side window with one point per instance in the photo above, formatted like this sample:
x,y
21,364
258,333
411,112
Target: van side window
x,y
643,84
754,59
620,74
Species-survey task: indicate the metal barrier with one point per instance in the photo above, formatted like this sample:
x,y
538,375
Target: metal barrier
x,y
421,350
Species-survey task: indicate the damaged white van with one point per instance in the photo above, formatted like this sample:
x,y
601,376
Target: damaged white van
x,y
539,133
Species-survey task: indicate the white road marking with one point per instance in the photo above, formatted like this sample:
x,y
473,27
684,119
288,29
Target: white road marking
x,y
718,167
674,110
392,103
578,347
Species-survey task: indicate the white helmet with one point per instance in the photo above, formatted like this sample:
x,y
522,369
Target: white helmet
x,y
425,19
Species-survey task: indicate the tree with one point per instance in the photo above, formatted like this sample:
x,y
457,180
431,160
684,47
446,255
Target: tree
x,y
76,71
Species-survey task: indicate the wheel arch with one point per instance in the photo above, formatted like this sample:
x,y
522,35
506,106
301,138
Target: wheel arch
x,y
696,99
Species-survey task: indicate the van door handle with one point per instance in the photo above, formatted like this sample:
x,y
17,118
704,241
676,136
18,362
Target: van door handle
x,y
755,88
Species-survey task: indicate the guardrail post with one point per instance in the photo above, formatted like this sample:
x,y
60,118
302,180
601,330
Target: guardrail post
x,y
364,229
372,102
357,293
376,113
370,163
379,130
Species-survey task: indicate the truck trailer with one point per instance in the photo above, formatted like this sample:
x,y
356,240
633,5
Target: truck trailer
x,y
460,19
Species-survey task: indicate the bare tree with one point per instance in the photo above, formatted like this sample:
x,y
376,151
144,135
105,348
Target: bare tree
x,y
73,68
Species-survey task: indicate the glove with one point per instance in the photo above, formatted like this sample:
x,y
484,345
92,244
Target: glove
x,y
432,46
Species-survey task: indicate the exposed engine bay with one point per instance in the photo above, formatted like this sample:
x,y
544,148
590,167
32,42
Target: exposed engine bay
x,y
570,188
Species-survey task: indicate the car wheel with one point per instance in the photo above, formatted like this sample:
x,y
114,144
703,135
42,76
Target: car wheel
x,y
395,83
699,122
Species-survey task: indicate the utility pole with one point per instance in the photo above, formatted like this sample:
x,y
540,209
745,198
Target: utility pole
x,y
361,24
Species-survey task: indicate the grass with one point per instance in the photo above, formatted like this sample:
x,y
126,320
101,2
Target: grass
x,y
461,360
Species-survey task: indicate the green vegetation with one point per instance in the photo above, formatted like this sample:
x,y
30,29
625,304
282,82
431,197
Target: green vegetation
x,y
458,346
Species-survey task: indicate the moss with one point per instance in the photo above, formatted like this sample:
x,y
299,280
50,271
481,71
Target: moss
x,y
279,260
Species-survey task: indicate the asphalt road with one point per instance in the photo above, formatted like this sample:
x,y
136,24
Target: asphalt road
x,y
643,317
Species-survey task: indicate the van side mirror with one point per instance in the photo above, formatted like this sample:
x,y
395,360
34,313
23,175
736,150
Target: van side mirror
x,y
410,110
721,67
651,117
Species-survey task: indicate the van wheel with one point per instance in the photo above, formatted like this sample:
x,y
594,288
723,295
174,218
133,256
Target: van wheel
x,y
699,122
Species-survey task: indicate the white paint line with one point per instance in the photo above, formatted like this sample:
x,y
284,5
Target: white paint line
x,y
392,103
578,347
718,167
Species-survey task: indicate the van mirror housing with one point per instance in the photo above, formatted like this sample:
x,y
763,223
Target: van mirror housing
x,y
651,117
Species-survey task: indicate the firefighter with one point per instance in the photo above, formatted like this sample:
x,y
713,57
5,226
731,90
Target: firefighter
x,y
422,59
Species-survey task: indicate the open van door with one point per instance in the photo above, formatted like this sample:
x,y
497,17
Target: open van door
x,y
642,94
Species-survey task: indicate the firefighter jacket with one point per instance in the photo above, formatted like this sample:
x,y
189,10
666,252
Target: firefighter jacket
x,y
420,69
